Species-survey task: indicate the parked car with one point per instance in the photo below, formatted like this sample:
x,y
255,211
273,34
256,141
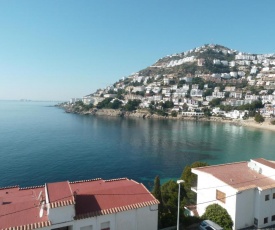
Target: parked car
x,y
209,225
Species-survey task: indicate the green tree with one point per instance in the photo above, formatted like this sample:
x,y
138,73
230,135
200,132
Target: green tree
x,y
207,92
174,114
115,104
169,192
132,105
104,103
190,180
219,215
259,118
215,102
157,193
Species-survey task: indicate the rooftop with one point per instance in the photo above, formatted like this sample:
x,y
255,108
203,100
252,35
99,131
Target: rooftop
x,y
240,176
21,207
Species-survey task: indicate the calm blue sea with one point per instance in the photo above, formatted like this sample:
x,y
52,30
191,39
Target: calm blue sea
x,y
40,143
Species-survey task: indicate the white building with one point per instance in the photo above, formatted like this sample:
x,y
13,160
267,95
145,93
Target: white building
x,y
82,205
74,100
245,189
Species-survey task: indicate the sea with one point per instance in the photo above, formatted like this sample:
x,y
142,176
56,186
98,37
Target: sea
x,y
40,143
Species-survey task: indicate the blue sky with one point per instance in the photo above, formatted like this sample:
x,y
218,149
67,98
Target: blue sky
x,y
59,49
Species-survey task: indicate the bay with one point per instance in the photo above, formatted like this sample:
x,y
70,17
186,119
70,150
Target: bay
x,y
41,143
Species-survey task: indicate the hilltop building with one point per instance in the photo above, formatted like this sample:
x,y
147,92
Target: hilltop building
x,y
81,205
245,189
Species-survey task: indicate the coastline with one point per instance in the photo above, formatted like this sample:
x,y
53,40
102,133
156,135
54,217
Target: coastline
x,y
144,114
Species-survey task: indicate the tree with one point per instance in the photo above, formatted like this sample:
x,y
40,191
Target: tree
x,y
259,118
157,193
215,102
219,215
169,192
174,114
207,92
132,105
116,104
190,180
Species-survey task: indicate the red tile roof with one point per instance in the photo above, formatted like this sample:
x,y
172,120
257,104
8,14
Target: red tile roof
x,y
239,176
102,197
19,208
60,194
265,162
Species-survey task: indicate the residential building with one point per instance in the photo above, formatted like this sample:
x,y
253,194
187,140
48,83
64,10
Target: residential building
x,y
81,205
245,189
74,100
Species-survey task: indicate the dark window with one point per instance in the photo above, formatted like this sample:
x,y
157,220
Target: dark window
x,y
273,195
256,222
266,197
266,220
273,218
62,228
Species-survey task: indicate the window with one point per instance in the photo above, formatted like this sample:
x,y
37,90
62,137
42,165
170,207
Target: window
x,y
90,227
266,197
273,218
256,222
220,196
265,220
273,195
105,226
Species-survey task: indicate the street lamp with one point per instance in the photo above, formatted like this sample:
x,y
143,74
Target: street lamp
x,y
178,219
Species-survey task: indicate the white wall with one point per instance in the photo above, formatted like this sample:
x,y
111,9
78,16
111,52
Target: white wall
x,y
245,208
61,214
206,194
145,218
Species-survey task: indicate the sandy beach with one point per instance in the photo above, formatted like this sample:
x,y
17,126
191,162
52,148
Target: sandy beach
x,y
253,124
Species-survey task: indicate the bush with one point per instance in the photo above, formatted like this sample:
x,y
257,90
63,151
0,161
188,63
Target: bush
x,y
174,114
259,118
219,215
272,122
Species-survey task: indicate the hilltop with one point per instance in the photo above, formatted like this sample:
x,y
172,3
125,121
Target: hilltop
x,y
204,81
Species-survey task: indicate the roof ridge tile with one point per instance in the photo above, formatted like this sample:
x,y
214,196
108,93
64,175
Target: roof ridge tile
x,y
29,226
117,179
32,187
116,209
8,187
81,181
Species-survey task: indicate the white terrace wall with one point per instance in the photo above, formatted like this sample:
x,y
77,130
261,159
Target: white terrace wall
x,y
145,218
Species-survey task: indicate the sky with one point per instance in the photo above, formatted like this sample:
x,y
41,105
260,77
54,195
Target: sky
x,y
61,49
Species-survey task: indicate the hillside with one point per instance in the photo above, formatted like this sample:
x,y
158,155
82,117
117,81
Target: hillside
x,y
197,80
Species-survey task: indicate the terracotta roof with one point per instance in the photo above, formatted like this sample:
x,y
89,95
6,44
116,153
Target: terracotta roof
x,y
102,197
239,176
265,162
20,209
60,194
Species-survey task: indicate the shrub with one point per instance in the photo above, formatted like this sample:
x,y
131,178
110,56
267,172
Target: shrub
x,y
259,118
219,215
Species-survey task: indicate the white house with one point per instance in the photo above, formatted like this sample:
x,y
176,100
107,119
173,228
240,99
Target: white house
x,y
81,205
245,189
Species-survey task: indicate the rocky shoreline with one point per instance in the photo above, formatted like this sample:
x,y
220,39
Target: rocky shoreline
x,y
145,114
